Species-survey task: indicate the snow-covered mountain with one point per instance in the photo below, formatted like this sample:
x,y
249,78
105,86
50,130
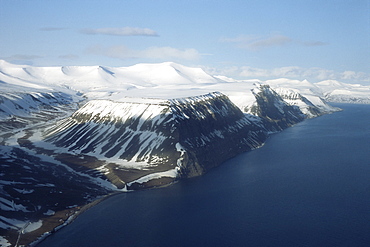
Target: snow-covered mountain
x,y
72,134
329,90
163,80
23,86
339,92
164,139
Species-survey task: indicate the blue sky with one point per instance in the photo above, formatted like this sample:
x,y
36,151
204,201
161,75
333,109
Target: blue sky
x,y
314,40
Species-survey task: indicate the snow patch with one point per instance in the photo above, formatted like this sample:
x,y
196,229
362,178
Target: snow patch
x,y
173,173
32,226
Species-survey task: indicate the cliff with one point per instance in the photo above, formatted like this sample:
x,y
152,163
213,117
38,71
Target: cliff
x,y
153,142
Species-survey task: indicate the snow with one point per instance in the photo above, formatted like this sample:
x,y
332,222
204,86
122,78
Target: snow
x,y
141,92
49,212
181,149
161,81
32,226
36,139
7,223
8,205
4,242
173,173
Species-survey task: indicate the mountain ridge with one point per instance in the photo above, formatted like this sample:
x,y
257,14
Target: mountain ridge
x,y
157,80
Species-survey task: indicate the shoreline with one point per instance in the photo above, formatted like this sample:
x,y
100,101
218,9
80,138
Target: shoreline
x,y
71,218
83,209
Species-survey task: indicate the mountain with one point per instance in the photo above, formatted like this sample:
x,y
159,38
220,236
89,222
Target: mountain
x,y
155,142
339,92
71,135
329,90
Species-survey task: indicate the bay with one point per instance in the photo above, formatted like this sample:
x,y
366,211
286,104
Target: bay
x,y
307,186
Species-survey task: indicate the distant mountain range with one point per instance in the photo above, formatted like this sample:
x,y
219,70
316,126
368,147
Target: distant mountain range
x,y
163,80
70,135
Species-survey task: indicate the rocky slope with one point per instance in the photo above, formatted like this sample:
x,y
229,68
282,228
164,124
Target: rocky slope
x,y
154,142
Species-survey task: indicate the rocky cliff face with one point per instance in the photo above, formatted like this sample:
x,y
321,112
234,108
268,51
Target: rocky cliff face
x,y
212,131
276,113
294,98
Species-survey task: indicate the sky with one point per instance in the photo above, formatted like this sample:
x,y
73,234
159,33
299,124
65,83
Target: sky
x,y
264,39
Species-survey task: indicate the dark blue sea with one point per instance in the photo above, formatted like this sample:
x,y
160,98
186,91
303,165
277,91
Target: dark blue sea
x,y
307,186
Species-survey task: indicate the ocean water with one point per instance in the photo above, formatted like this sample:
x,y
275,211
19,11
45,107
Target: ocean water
x,y
307,186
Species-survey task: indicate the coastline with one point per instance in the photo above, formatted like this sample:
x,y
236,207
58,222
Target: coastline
x,y
71,218
80,211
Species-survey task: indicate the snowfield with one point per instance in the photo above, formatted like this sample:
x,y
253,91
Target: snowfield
x,y
160,81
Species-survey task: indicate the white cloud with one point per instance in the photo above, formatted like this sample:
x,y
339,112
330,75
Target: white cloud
x,y
291,72
122,31
124,52
253,42
276,40
247,71
257,42
353,75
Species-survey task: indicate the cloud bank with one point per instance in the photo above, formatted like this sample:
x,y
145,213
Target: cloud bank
x,y
122,31
291,72
255,43
166,53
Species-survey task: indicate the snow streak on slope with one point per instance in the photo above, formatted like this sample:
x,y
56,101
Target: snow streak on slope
x,y
108,128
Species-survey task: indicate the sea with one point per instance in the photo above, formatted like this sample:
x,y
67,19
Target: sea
x,y
309,185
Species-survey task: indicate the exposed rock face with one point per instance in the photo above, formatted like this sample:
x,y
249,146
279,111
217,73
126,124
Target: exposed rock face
x,y
309,109
212,131
276,113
